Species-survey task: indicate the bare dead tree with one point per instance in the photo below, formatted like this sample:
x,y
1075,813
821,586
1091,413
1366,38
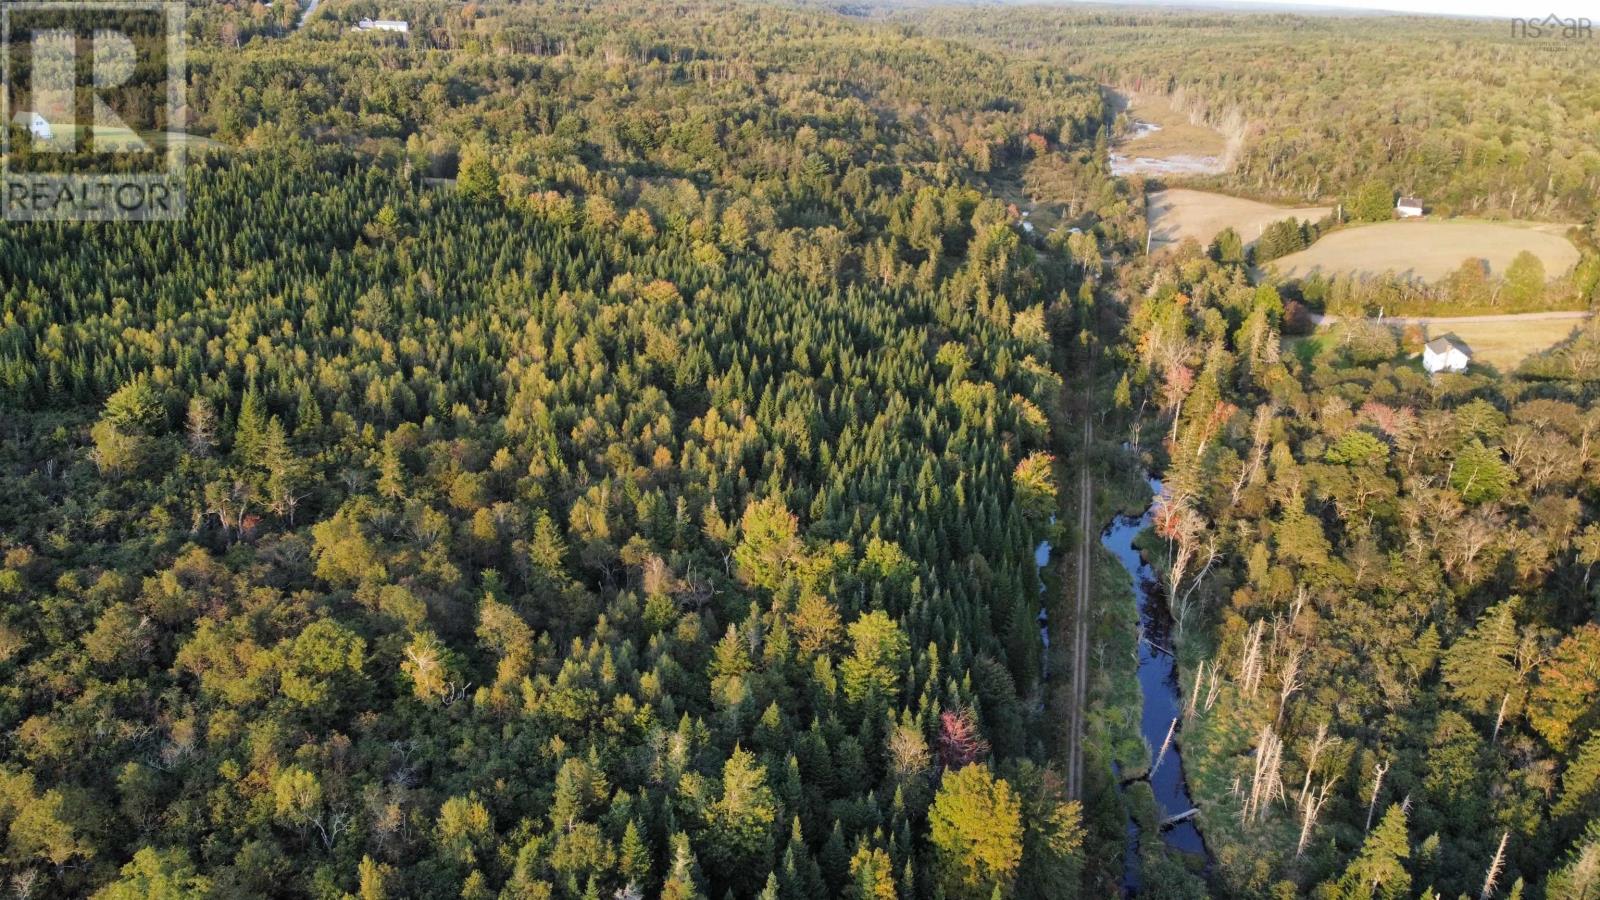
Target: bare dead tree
x,y
1261,429
1181,526
454,693
1194,695
1528,656
201,427
1265,783
1310,808
1319,743
330,826
1288,680
24,883
1378,772
1250,660
1165,745
1272,645
229,501
329,822
1495,866
1500,718
1185,600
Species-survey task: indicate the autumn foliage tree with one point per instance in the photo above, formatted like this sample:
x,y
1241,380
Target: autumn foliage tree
x,y
976,832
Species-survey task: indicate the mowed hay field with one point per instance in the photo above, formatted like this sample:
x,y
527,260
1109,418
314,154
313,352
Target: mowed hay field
x,y
1179,213
1431,250
1492,340
1505,345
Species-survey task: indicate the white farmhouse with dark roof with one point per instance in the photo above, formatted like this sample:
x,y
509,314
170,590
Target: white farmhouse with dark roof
x,y
1446,354
1409,207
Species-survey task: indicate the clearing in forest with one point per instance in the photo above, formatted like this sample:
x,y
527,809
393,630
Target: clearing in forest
x,y
1506,347
1164,141
1502,341
1180,213
1431,250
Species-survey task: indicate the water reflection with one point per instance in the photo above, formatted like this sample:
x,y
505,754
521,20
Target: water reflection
x,y
1158,682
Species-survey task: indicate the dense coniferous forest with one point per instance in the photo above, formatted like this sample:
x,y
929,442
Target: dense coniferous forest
x,y
598,450
646,508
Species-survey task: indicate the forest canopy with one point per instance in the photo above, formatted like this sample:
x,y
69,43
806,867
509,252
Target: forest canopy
x,y
614,450
1466,113
579,451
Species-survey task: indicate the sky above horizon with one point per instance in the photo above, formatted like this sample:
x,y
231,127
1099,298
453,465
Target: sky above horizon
x,y
1499,8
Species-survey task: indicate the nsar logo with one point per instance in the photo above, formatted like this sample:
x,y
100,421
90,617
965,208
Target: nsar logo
x,y
1553,26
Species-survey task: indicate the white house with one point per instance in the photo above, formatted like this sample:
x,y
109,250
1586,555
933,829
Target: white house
x,y
37,125
40,128
1409,207
1445,354
399,25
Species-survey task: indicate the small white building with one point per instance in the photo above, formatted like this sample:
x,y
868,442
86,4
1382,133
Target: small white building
x,y
37,125
1409,207
397,25
1445,354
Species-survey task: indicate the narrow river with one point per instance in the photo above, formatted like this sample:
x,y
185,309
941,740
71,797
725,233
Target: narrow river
x,y
1041,560
1163,698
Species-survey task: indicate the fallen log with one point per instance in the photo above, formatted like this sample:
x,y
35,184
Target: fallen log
x,y
1180,817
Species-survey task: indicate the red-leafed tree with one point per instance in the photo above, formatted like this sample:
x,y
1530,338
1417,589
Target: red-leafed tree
x,y
960,743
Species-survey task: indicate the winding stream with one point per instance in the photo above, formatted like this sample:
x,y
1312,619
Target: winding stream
x,y
1163,699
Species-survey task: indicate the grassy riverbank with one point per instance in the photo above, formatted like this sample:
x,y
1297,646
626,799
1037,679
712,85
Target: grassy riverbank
x,y
1114,748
